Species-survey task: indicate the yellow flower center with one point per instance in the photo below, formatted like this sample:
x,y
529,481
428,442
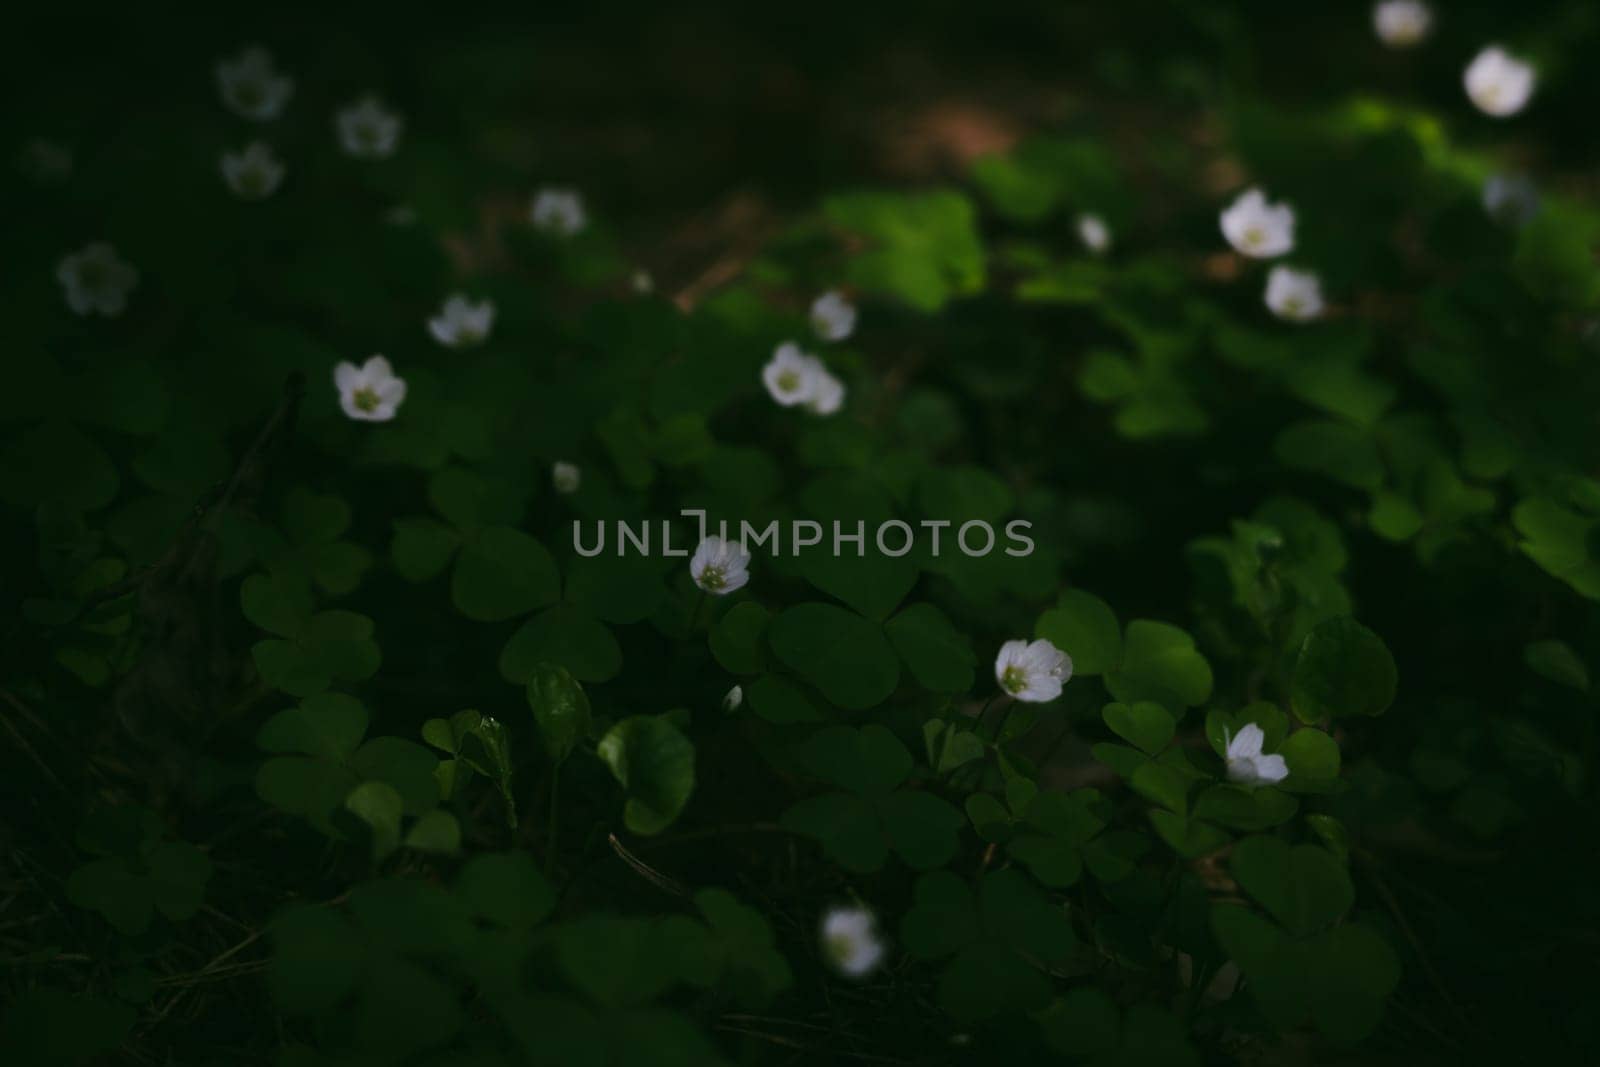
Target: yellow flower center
x,y
1013,679
365,399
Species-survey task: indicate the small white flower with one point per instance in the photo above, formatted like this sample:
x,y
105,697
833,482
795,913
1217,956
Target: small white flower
x,y
719,567
1510,199
1033,672
643,283
251,86
832,316
827,392
851,942
1498,82
253,174
368,130
96,281
370,392
1295,295
1257,228
559,211
1094,233
793,377
461,322
1402,23
566,477
1246,764
733,699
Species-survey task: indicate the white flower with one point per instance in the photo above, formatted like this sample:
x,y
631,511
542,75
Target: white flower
x,y
1511,199
851,942
1094,233
96,281
733,699
793,377
253,174
719,567
1246,764
1402,23
643,283
566,477
827,392
1257,228
370,392
461,322
1498,82
559,211
251,86
1033,672
832,316
1295,295
368,130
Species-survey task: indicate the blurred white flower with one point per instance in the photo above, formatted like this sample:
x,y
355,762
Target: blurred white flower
x,y
643,283
788,375
719,566
793,377
732,700
1510,199
1498,82
1295,295
252,87
1033,672
851,942
1094,233
1257,228
832,316
461,322
96,281
566,477
827,392
370,392
368,130
1246,764
559,211
253,174
1402,23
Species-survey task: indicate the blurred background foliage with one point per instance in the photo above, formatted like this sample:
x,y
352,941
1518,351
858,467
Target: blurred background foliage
x,y
321,746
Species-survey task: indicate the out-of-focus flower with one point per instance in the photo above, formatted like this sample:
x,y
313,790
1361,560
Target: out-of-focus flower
x,y
1510,199
253,174
566,477
851,942
1257,228
1094,233
832,316
1246,764
461,322
642,282
793,377
368,130
1498,82
370,392
1033,672
559,211
96,281
252,87
1295,295
732,699
720,566
1402,23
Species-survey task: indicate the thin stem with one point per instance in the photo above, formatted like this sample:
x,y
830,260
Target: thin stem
x,y
694,614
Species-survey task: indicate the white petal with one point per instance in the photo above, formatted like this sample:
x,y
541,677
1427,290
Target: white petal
x,y
1247,742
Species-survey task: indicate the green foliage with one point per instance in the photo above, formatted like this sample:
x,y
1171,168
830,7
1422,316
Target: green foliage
x,y
272,793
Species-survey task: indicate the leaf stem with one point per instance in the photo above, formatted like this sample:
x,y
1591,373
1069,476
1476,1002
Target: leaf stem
x,y
550,837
